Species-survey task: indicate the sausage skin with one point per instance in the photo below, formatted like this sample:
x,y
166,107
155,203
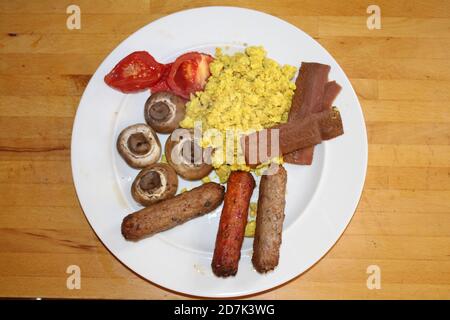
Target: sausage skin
x,y
232,224
172,212
269,221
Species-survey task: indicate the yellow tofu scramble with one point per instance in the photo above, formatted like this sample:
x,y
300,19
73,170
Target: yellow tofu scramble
x,y
246,92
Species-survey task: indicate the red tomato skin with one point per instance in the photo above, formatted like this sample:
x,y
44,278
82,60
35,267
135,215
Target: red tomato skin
x,y
184,77
162,84
137,71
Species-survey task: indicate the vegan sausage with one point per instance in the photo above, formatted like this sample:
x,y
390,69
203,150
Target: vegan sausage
x,y
172,212
269,221
232,223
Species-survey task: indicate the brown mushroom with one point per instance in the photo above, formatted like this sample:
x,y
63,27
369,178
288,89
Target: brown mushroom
x,y
164,111
154,183
187,157
139,145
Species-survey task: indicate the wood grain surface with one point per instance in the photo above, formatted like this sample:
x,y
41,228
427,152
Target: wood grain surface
x,y
401,74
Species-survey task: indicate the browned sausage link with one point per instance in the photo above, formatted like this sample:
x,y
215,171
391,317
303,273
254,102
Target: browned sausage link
x,y
269,221
172,212
232,223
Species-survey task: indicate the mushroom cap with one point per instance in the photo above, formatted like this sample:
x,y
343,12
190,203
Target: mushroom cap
x,y
164,110
139,145
157,182
190,165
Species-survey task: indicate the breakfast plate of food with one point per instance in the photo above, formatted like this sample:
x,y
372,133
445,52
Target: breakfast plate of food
x,y
219,152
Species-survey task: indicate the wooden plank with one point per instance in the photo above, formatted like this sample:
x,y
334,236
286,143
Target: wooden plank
x,y
414,178
70,85
345,270
40,195
390,27
52,264
408,133
35,127
308,24
393,271
399,8
39,106
416,201
344,290
72,43
409,90
389,47
54,287
45,217
395,68
36,150
365,88
49,64
392,247
138,288
86,6
122,23
412,111
35,172
135,287
403,224
428,90
81,241
409,155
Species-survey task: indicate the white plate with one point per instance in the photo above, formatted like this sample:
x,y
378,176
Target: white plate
x,y
320,198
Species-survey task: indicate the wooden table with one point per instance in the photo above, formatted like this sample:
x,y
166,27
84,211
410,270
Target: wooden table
x,y
400,72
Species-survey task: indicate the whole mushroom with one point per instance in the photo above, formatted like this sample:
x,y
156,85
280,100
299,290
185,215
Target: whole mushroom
x,y
139,145
154,183
164,110
187,157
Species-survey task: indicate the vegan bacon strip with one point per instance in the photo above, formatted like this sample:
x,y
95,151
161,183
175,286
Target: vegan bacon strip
x,y
310,88
313,94
332,89
293,135
233,219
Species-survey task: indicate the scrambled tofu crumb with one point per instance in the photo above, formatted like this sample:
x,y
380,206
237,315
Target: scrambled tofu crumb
x,y
246,91
206,179
250,229
253,209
